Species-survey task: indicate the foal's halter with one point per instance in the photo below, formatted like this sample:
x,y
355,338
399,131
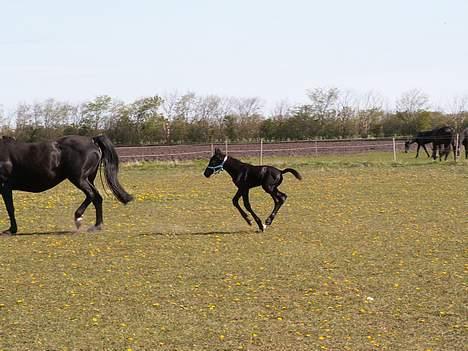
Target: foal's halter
x,y
219,168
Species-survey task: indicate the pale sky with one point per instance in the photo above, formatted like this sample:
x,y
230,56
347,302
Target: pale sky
x,y
76,50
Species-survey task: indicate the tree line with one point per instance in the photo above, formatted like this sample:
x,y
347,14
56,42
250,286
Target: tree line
x,y
190,118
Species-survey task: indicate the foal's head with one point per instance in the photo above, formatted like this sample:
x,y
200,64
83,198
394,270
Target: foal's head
x,y
216,163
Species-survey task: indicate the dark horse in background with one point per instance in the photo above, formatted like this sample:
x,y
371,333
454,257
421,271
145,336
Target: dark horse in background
x,y
440,138
464,141
245,177
421,138
36,167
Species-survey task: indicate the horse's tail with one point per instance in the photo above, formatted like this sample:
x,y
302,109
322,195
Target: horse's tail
x,y
111,168
293,171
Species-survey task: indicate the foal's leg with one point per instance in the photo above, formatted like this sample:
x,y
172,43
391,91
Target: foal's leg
x,y
279,198
235,202
417,150
7,195
245,197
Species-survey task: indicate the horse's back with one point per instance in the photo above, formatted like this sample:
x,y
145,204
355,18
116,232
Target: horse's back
x,y
40,166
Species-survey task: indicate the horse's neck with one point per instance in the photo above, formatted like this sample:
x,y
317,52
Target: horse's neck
x,y
233,166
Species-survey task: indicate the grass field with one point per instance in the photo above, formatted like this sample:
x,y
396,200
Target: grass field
x,y
365,255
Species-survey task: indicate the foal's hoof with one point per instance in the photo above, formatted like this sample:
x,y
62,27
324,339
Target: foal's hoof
x,y
268,221
78,222
95,228
262,228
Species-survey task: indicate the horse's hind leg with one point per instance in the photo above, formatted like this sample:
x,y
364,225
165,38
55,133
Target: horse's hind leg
x,y
80,210
245,197
279,198
434,151
427,153
92,195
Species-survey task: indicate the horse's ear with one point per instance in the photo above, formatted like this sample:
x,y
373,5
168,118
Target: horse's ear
x,y
218,151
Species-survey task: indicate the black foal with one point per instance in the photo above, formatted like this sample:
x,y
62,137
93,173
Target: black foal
x,y
245,177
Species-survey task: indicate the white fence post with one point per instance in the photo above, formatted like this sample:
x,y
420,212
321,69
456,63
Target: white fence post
x,y
316,149
457,149
226,146
212,150
394,150
261,151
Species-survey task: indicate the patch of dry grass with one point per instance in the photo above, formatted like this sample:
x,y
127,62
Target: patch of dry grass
x,y
363,256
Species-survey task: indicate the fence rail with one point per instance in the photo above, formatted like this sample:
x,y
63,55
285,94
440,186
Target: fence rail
x,y
296,148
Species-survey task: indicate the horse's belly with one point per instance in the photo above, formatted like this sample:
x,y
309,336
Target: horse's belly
x,y
37,186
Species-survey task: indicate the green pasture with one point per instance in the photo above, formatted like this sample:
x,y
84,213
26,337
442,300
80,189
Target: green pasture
x,y
366,254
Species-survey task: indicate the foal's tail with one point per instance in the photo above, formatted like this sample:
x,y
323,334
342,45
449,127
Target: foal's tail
x,y
293,171
111,168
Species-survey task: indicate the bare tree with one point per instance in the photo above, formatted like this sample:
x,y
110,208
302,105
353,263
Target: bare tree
x,y
458,111
412,108
370,110
281,110
323,102
412,101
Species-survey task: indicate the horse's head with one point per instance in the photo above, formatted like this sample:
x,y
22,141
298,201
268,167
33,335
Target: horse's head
x,y
216,163
407,145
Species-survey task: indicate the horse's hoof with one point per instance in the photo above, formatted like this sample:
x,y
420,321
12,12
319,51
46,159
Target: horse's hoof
x,y
95,228
268,221
7,233
78,222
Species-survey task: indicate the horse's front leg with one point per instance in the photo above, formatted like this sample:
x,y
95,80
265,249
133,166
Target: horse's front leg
x,y
7,195
235,202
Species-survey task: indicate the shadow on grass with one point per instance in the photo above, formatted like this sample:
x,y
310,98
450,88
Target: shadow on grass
x,y
62,232
220,232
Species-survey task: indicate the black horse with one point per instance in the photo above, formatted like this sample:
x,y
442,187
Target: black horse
x,y
245,177
36,167
442,139
421,138
464,141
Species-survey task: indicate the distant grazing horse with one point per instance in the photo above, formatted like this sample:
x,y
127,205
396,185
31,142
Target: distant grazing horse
x,y
36,167
464,141
442,139
421,138
245,177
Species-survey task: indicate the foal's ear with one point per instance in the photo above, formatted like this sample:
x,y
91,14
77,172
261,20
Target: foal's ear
x,y
218,151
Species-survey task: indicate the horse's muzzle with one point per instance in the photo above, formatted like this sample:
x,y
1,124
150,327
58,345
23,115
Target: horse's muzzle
x,y
208,172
